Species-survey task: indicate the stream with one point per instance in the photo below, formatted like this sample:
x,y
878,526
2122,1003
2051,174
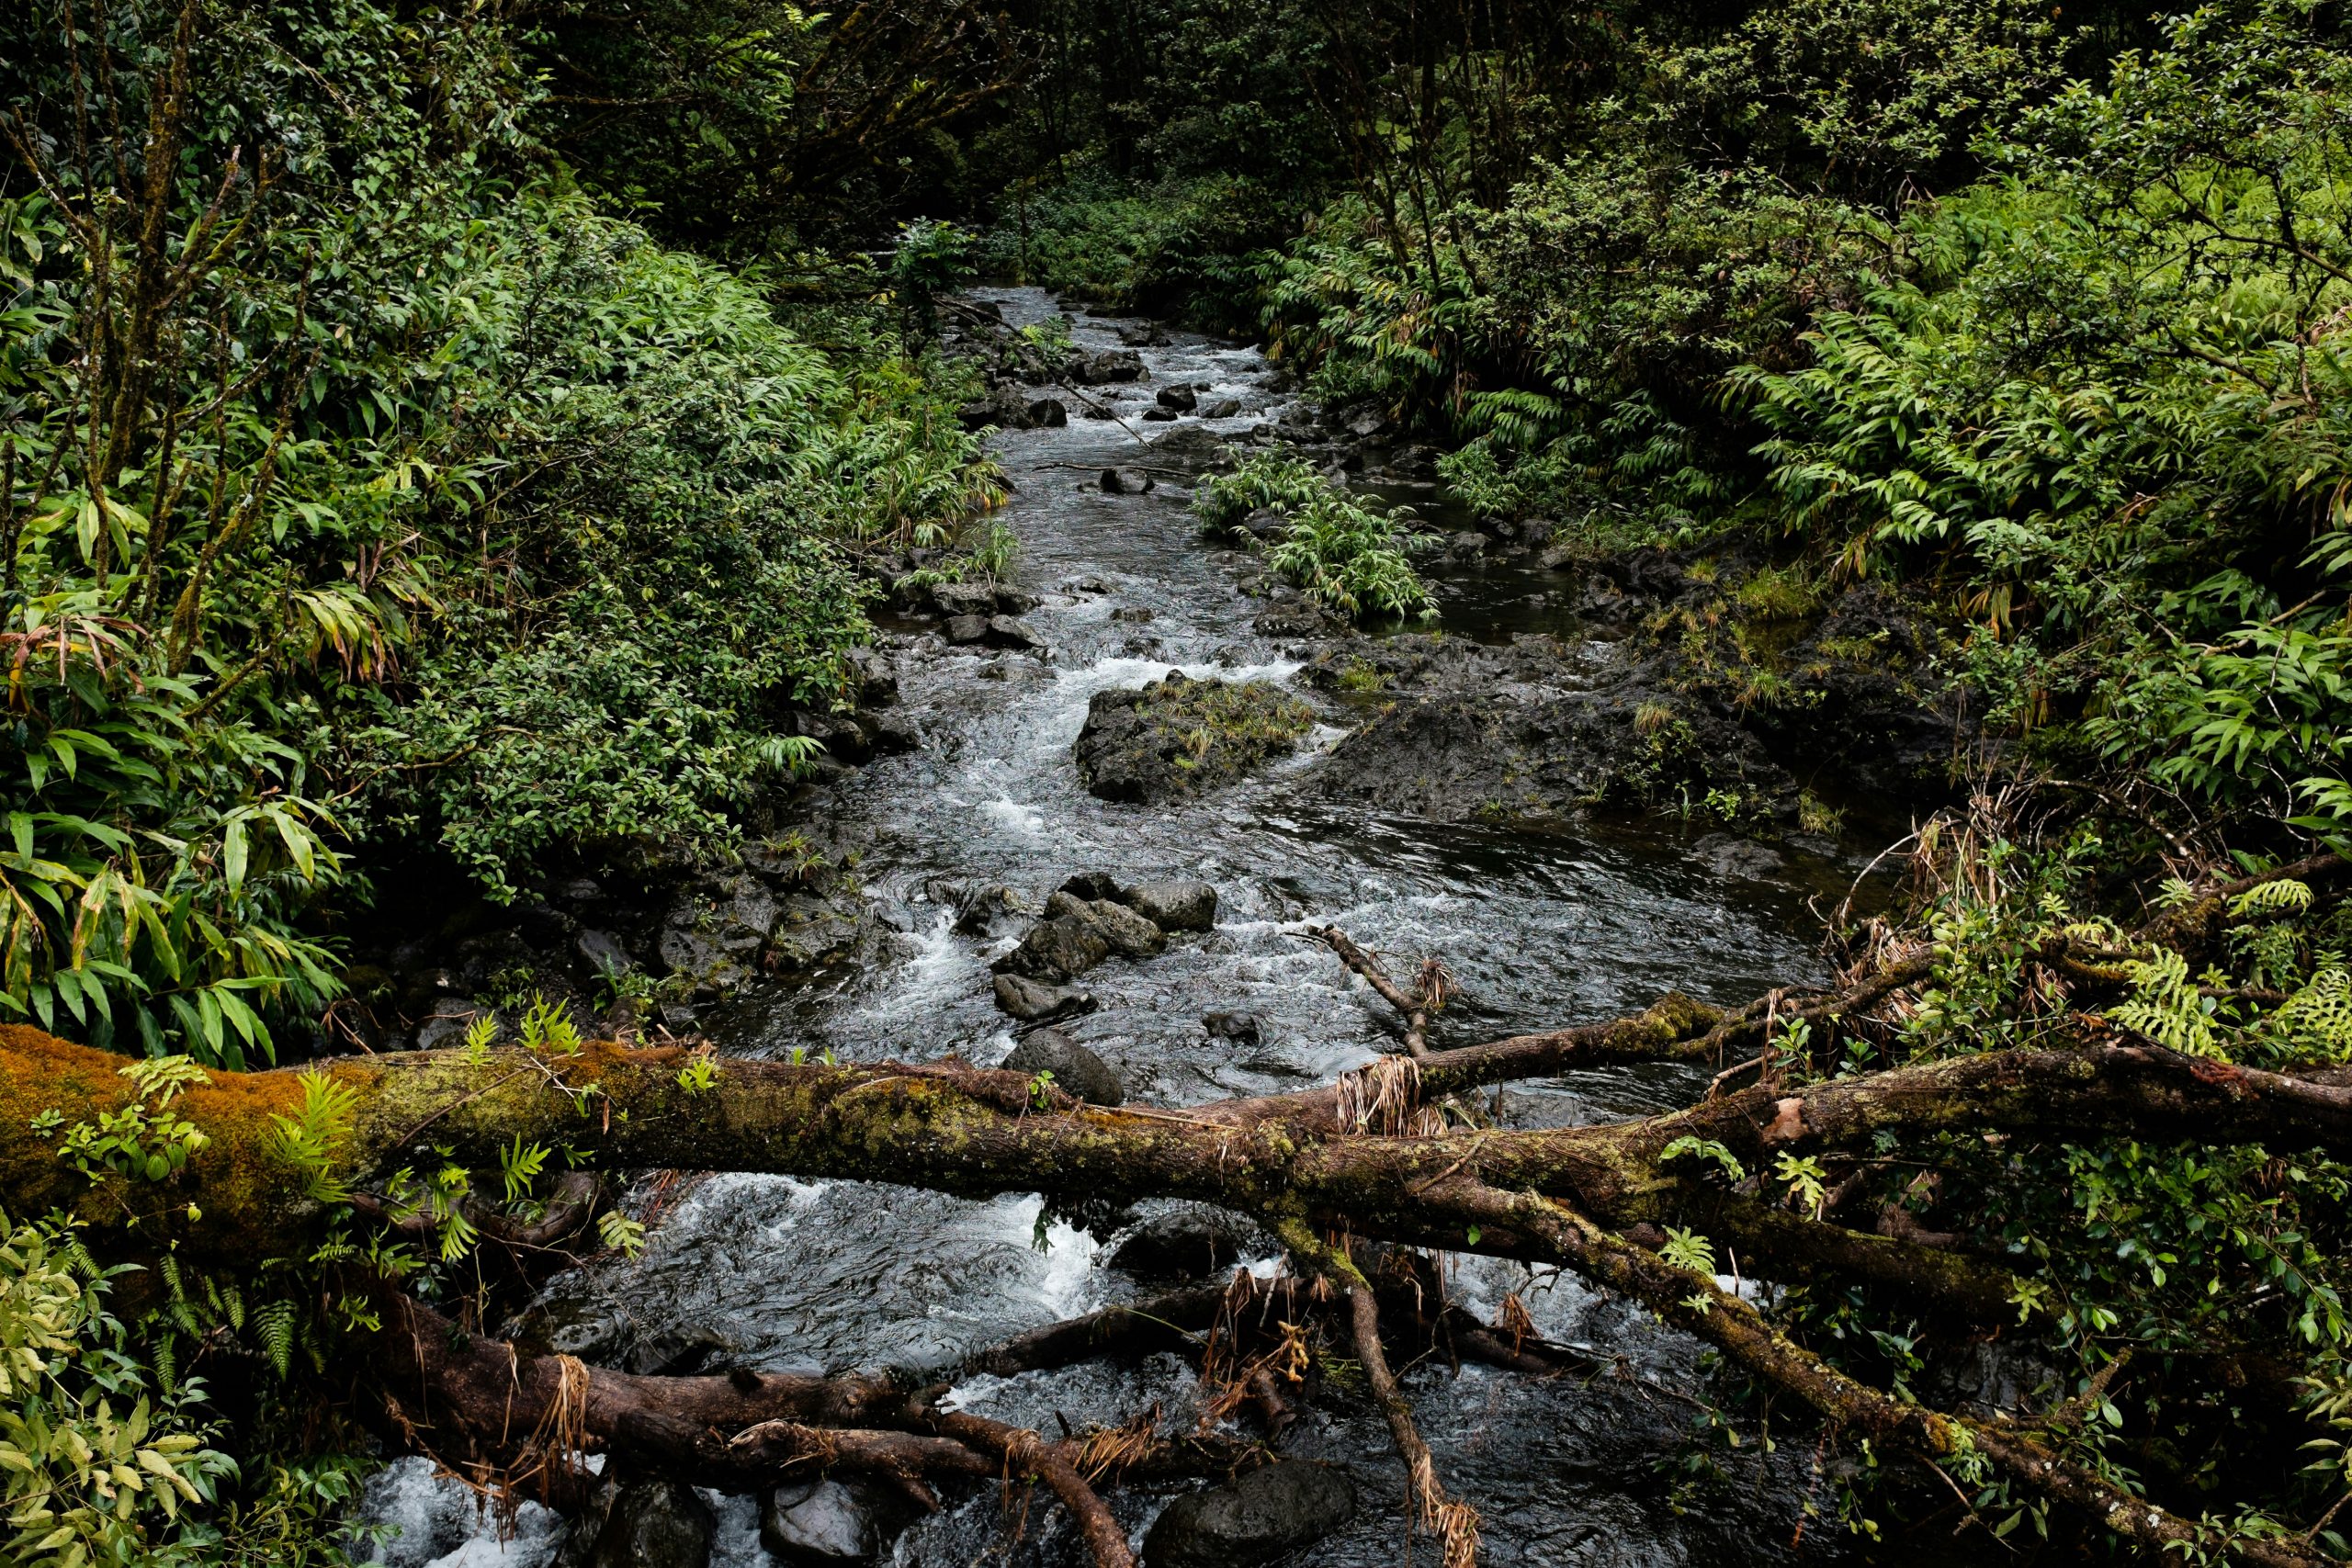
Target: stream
x,y
1540,927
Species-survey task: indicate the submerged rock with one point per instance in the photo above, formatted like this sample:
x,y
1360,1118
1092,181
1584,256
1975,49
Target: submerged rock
x,y
1241,1028
1075,1069
1257,1518
1180,1247
1032,1002
1177,737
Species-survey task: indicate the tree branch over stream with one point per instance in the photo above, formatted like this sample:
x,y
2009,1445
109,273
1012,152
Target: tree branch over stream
x,y
1371,1162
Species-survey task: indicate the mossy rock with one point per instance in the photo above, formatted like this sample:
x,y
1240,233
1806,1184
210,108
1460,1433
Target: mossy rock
x,y
1175,737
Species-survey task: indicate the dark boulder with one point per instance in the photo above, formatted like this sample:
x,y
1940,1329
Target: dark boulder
x,y
1110,364
1012,632
1047,413
1090,884
1034,1003
1075,1069
1191,442
962,598
1272,1510
983,911
1057,949
1223,408
1184,399
654,1524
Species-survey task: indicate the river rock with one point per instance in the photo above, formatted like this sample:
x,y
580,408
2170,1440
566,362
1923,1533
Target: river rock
x,y
1012,632
1173,906
1047,413
1128,933
1075,1069
962,598
1160,416
1178,737
1241,1028
983,911
1223,408
1184,399
1173,1247
1032,1002
654,1524
1272,1510
1058,949
1191,442
446,1023
1090,884
601,950
1108,366
1143,334
1005,408
821,1524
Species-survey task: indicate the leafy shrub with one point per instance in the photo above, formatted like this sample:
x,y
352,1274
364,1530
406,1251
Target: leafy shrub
x,y
1342,554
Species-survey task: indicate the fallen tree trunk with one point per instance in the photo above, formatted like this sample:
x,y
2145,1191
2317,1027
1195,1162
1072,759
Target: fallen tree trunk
x,y
271,1163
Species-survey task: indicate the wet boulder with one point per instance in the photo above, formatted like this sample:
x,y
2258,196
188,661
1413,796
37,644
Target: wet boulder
x,y
1075,1069
953,599
1223,408
1126,932
654,1524
1091,885
1272,1510
984,911
1013,632
823,1524
1004,408
1047,413
1032,1002
1173,906
1177,737
1184,399
1109,365
1057,949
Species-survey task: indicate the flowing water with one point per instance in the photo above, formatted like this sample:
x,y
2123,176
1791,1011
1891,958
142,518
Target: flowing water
x,y
1542,929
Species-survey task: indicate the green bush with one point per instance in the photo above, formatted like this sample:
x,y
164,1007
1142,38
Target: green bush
x,y
438,495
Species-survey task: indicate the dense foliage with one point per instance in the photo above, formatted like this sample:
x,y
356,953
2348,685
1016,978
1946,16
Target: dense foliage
x,y
364,482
